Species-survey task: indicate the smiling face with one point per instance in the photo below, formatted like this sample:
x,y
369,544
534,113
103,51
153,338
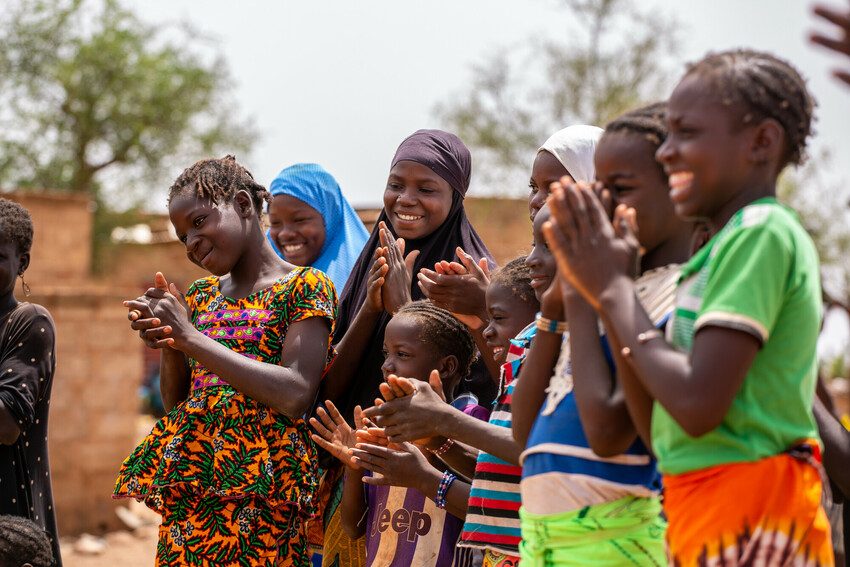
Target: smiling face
x,y
297,228
214,234
406,353
540,261
705,154
625,164
508,315
545,171
416,200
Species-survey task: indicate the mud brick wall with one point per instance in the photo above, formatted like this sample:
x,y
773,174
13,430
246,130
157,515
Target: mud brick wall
x,y
94,403
61,250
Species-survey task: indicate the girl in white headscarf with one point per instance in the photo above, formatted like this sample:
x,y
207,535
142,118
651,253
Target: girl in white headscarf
x,y
566,152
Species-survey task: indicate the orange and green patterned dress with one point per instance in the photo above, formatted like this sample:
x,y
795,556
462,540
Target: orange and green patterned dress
x,y
233,479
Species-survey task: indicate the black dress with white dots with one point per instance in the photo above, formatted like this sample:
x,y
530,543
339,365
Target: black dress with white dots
x,y
27,363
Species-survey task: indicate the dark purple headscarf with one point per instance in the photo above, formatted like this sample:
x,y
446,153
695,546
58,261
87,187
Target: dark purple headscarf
x,y
448,157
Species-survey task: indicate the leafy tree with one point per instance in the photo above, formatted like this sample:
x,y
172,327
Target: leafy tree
x,y
611,58
93,100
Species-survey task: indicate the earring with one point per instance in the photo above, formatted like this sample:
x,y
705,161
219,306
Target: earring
x,y
25,287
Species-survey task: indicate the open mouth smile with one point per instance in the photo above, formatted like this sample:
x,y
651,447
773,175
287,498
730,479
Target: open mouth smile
x,y
408,218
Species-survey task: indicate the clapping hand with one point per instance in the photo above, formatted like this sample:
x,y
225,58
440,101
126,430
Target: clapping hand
x,y
458,287
334,435
590,251
395,291
161,315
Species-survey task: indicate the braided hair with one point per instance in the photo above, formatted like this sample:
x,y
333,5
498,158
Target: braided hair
x,y
647,121
441,329
516,276
768,87
23,541
16,225
218,180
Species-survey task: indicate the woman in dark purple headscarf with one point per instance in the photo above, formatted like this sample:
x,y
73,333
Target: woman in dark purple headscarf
x,y
423,205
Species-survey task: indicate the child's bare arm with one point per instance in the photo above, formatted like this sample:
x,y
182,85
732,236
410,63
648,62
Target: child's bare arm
x,y
353,506
530,392
351,347
601,404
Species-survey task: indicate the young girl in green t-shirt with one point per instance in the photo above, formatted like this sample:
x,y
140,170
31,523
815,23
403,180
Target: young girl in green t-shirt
x,y
733,385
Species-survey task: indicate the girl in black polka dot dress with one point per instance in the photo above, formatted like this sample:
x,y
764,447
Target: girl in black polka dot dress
x,y
27,363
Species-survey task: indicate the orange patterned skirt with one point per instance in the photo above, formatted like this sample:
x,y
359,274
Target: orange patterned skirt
x,y
766,513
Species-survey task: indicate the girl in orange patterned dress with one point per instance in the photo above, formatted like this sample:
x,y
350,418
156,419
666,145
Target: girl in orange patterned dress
x,y
231,468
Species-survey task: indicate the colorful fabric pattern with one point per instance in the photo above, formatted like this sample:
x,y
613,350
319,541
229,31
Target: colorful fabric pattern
x,y
760,275
558,458
492,516
625,532
219,451
729,515
244,532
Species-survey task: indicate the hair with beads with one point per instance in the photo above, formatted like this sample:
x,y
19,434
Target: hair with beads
x,y
23,541
16,225
768,87
516,276
218,180
441,329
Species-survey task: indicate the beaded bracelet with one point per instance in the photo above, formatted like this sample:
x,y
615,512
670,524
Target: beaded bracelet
x,y
550,325
444,448
443,489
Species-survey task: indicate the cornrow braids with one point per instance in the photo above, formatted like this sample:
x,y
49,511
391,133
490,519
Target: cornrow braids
x,y
444,331
23,541
769,87
516,276
16,225
647,120
218,180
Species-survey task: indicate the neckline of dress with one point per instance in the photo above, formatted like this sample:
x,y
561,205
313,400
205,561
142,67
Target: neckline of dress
x,y
279,280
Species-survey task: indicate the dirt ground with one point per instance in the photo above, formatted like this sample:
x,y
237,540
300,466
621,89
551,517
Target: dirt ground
x,y
127,549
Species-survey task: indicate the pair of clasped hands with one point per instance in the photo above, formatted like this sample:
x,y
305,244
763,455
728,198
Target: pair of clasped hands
x,y
457,287
392,455
160,315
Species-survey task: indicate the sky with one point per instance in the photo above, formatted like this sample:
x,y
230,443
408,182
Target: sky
x,y
341,83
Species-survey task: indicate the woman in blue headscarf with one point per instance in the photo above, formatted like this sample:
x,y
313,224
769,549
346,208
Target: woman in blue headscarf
x,y
306,200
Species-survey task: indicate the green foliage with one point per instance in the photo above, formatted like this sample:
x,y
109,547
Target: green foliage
x,y
93,100
611,58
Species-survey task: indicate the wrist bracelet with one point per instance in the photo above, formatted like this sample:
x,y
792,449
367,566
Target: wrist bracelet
x,y
444,448
550,325
443,489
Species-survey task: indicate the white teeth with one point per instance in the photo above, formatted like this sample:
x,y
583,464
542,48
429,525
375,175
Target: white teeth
x,y
292,248
407,217
680,179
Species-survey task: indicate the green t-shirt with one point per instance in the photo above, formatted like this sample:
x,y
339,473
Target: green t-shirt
x,y
759,274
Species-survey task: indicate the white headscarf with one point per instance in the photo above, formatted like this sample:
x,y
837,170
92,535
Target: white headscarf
x,y
573,147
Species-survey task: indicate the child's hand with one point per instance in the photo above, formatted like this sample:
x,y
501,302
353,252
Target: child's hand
x,y
552,302
840,45
151,330
377,277
334,434
458,288
167,304
414,416
404,466
395,292
591,253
